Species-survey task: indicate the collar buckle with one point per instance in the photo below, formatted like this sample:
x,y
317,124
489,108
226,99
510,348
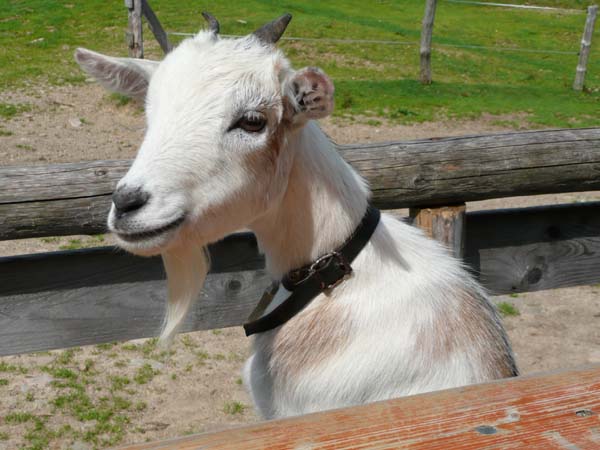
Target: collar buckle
x,y
330,270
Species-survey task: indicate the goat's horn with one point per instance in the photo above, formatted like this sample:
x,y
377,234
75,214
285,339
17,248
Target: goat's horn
x,y
272,31
213,23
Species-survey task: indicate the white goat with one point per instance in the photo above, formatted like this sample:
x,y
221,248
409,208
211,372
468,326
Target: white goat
x,y
231,143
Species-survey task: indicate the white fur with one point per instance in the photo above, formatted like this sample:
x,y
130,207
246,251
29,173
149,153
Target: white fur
x,y
302,200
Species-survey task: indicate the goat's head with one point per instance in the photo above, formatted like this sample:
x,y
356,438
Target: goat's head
x,y
219,113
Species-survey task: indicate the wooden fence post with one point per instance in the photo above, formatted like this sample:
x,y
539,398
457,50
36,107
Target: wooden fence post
x,y
156,27
134,35
445,224
426,33
586,43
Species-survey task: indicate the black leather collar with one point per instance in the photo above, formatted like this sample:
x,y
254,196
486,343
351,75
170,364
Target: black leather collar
x,y
309,281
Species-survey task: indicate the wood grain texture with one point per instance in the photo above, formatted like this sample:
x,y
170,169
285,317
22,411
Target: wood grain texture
x,y
586,45
447,171
73,198
83,297
532,249
552,411
426,36
135,39
445,224
63,299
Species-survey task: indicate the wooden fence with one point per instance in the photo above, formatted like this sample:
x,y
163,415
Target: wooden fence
x,y
137,9
70,298
90,296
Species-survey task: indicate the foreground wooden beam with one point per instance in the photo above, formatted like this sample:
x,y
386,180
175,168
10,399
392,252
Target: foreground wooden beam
x,y
67,199
553,411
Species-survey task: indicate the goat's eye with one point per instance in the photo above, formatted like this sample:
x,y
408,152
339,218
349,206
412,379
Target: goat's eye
x,y
252,122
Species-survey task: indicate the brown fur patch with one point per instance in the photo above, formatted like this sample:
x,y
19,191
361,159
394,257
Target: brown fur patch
x,y
309,339
472,327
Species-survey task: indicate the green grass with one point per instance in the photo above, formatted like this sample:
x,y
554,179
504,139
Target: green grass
x,y
73,244
507,309
89,241
18,417
234,408
3,382
145,374
38,38
9,110
11,368
118,383
106,346
107,415
66,357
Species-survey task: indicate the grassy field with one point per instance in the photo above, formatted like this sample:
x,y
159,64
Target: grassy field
x,y
38,37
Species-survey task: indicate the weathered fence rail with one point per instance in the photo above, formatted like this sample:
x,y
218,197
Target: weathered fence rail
x,y
81,297
67,199
552,411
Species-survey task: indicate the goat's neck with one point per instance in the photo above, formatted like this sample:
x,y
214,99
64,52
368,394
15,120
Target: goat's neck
x,y
324,202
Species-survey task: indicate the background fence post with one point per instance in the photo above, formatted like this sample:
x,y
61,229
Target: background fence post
x,y
586,43
133,35
426,33
156,27
445,224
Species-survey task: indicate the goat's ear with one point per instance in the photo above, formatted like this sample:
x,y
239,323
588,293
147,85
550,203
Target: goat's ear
x,y
127,76
309,96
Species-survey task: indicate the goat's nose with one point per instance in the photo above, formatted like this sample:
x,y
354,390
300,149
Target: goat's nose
x,y
127,199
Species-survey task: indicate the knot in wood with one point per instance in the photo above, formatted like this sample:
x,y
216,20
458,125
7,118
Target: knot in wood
x,y
417,181
534,275
234,285
584,413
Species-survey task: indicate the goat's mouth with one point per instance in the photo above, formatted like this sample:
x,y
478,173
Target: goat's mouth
x,y
146,235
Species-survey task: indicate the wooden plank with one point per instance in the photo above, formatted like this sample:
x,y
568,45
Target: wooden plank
x,y
134,35
551,411
59,199
532,249
156,27
27,184
468,168
426,34
62,299
65,199
586,45
83,297
445,224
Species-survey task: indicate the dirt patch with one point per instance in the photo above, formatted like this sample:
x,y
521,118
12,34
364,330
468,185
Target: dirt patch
x,y
67,124
98,396
367,129
83,123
